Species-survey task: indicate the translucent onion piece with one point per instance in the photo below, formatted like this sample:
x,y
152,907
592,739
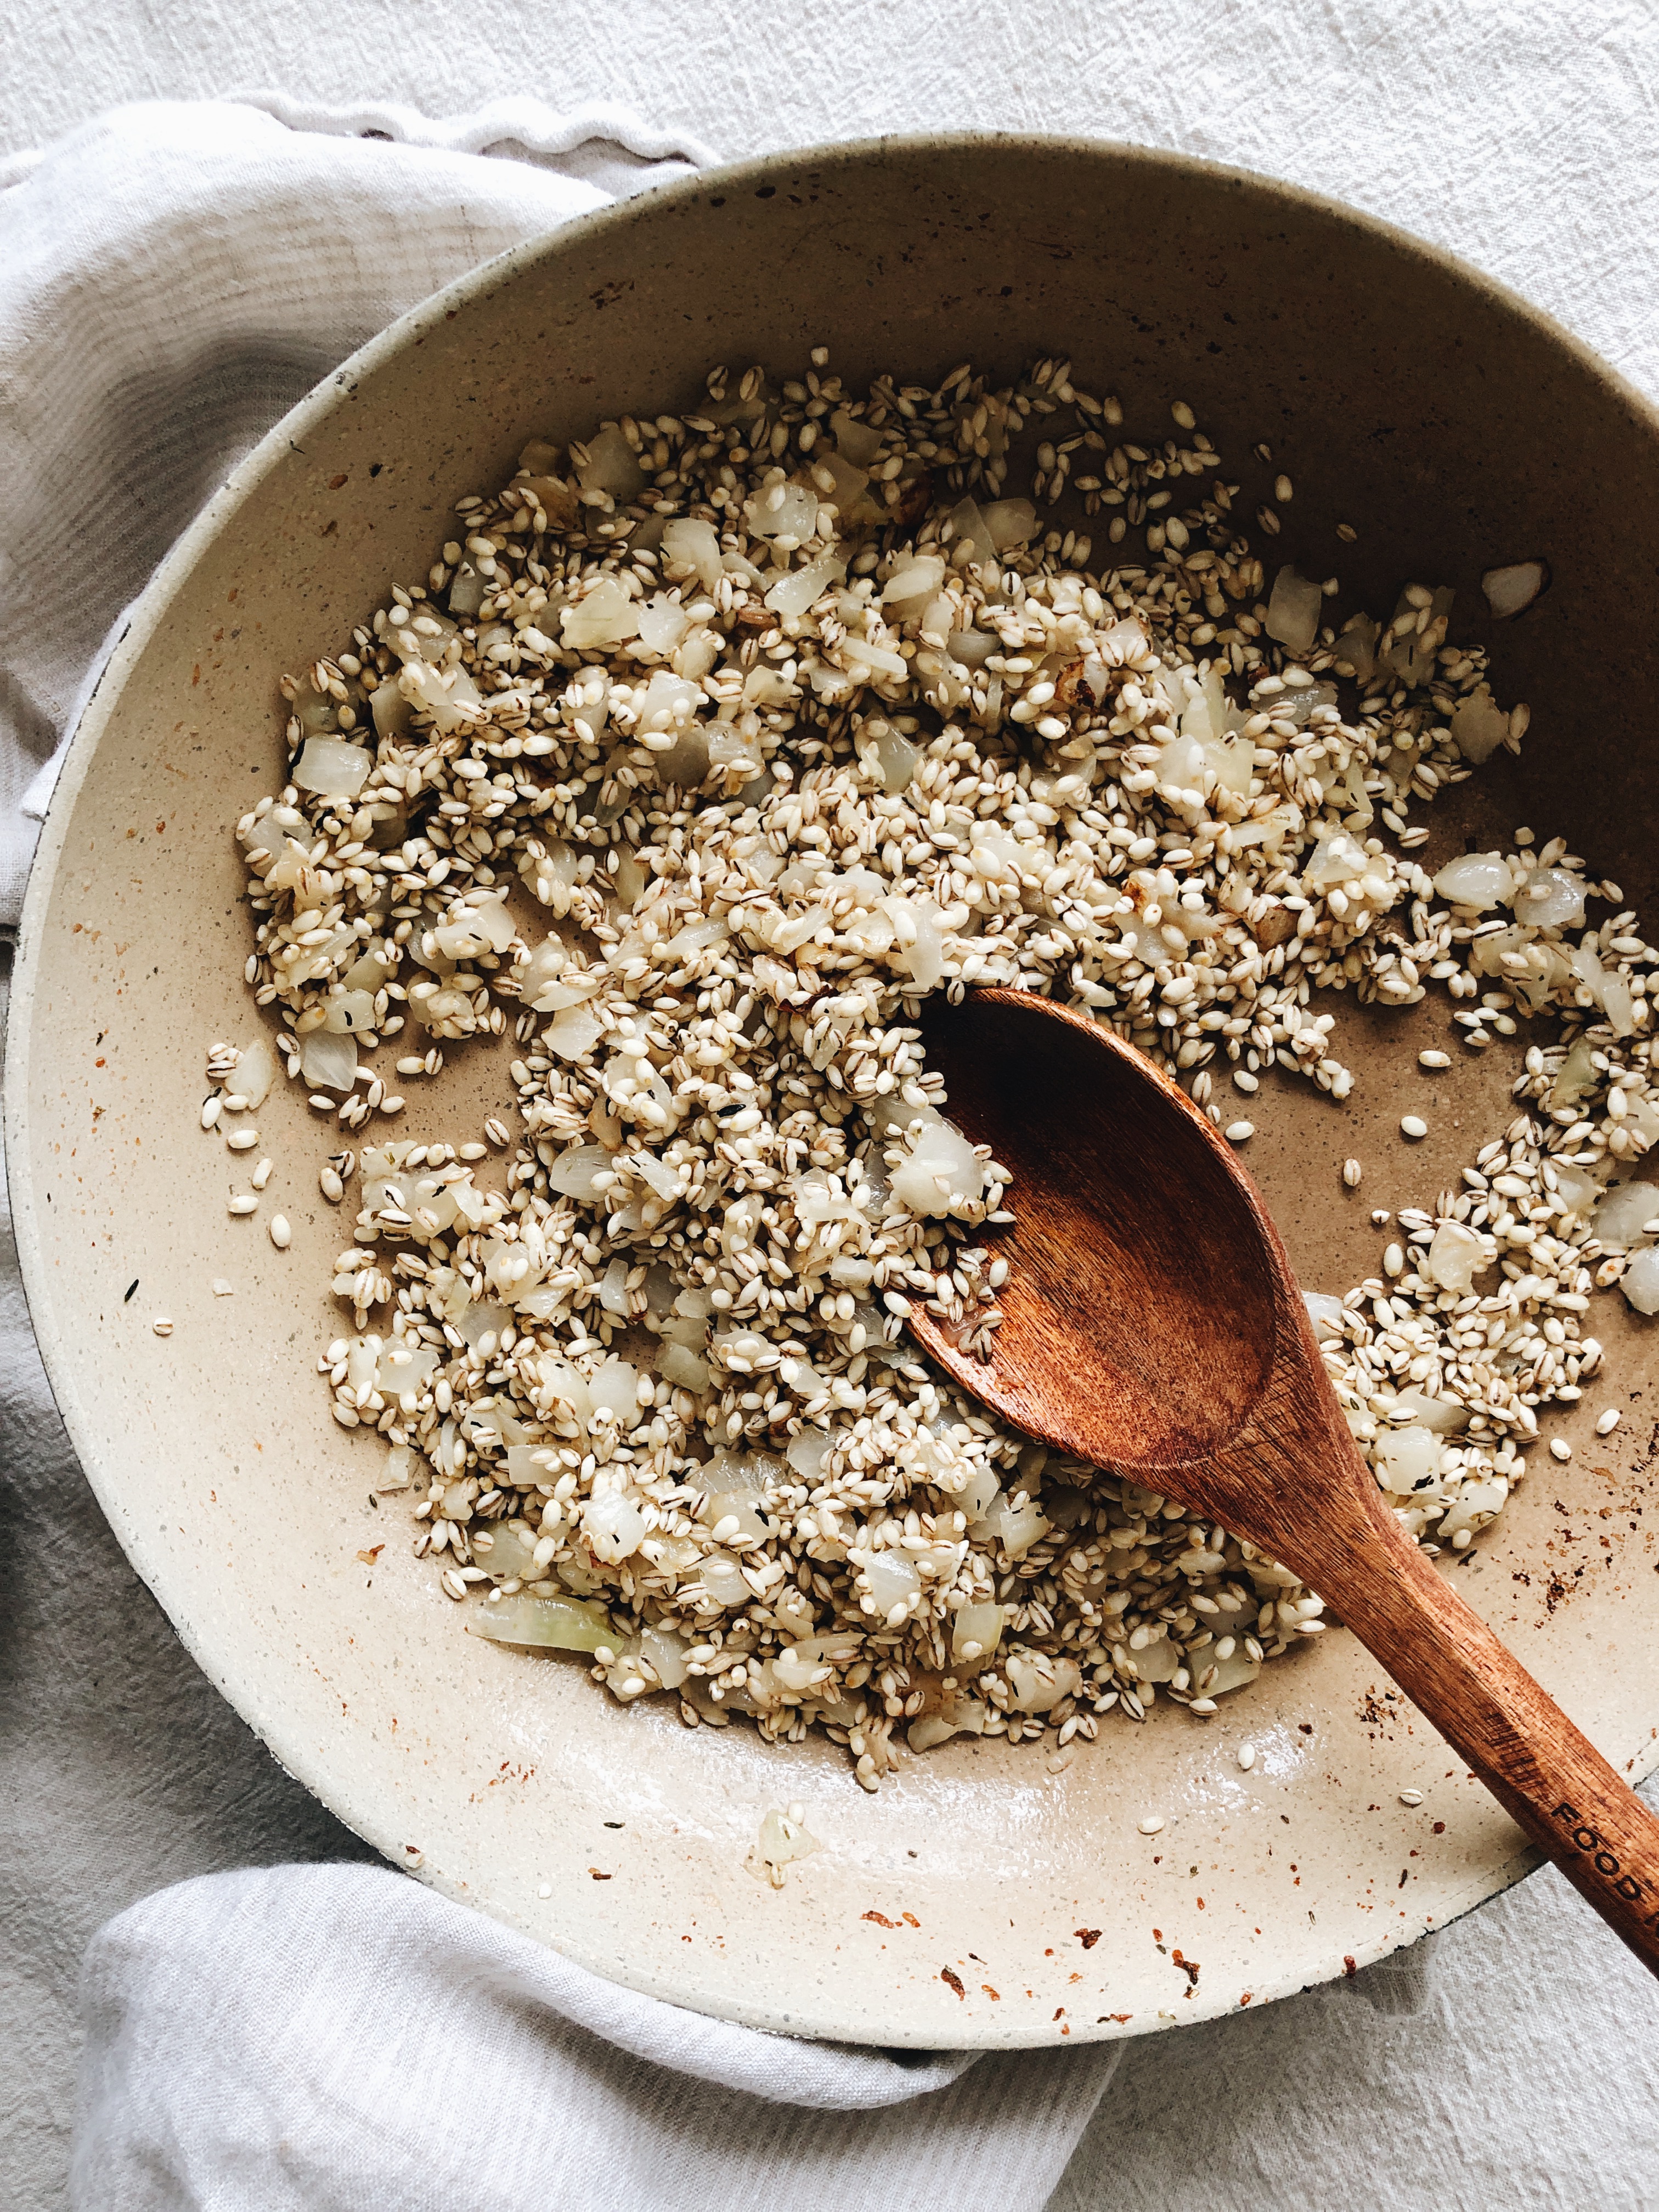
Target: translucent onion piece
x,y
1357,645
1576,1077
1337,858
857,440
1214,1677
572,1034
329,765
1510,592
783,510
1474,1506
1293,610
1477,880
558,1623
1324,1311
1011,522
255,1072
607,616
1550,898
1407,1457
892,1579
667,1653
613,1525
328,1061
801,589
349,1015
972,648
616,1387
942,1171
1620,1221
1445,1416
611,465
911,586
977,1625
1578,1190
573,1171
1038,1684
694,545
968,527
889,751
722,1577
1455,1256
1640,1281
683,1369
921,946
390,711
1479,726
663,623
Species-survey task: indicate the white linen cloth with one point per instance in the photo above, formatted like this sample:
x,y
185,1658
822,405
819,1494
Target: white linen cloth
x,y
309,2038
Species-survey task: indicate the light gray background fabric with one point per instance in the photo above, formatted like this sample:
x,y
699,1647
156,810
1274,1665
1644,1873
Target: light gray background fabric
x,y
1517,2069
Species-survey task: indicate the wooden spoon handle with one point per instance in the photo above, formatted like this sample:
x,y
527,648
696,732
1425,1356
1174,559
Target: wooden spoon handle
x,y
1549,1776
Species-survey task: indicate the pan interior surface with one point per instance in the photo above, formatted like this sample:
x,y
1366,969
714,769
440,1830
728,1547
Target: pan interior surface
x,y
981,1900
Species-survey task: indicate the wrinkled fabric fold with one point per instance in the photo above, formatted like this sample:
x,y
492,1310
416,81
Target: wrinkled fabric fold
x,y
327,2039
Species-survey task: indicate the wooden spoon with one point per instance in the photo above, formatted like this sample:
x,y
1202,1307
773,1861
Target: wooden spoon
x,y
1151,1324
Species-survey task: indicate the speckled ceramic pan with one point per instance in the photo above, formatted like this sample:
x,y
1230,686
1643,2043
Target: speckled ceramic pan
x,y
978,1901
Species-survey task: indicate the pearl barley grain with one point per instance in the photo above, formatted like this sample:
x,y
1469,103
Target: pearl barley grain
x,y
1411,1796
1414,1127
1561,1448
1240,1132
1247,1756
1151,1825
1351,1172
281,1235
162,1325
1436,1059
1607,1422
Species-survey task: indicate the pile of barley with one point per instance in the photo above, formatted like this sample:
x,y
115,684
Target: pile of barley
x,y
703,754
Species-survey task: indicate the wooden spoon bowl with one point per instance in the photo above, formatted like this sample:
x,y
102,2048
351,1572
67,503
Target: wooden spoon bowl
x,y
1151,1324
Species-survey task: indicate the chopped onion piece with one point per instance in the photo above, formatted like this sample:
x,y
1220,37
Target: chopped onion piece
x,y
1479,726
977,1625
558,1623
857,440
942,1171
783,510
1477,880
573,1171
1445,1416
801,589
331,766
1455,1257
1640,1281
892,1579
613,1525
1038,1684
1407,1457
694,545
573,1033
1510,592
1293,609
256,1070
606,616
1011,522
611,465
662,623
328,1061
349,1015
1550,898
1620,1221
